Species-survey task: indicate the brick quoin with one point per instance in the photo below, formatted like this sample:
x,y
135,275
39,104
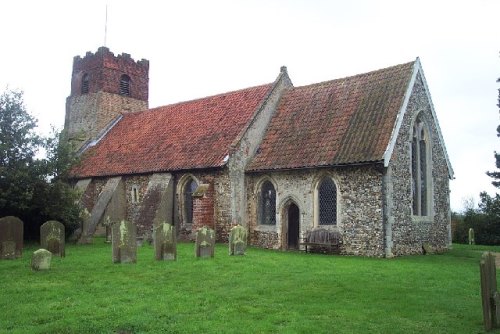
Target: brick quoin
x,y
203,209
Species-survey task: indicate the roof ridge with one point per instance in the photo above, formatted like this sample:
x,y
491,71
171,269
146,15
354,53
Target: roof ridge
x,y
201,98
384,69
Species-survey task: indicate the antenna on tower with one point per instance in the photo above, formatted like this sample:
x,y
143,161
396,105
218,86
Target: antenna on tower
x,y
106,26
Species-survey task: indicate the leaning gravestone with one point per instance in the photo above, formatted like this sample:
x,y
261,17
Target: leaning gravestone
x,y
165,242
489,294
205,242
124,243
11,237
40,260
237,240
52,237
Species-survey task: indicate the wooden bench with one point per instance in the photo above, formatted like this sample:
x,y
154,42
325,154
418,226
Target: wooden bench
x,y
322,240
331,247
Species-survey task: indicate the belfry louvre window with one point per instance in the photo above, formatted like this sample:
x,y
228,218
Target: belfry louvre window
x,y
125,85
327,196
189,189
85,84
267,204
419,169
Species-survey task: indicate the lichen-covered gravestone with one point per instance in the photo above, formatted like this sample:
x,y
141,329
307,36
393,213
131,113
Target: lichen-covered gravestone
x,y
40,260
124,243
205,242
165,242
11,237
237,240
52,237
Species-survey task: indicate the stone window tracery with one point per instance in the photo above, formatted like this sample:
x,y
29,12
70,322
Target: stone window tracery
x,y
189,189
267,204
420,169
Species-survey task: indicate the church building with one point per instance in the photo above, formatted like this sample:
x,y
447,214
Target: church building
x,y
362,156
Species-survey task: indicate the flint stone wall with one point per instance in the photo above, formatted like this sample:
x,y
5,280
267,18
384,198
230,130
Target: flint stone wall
x,y
409,233
359,207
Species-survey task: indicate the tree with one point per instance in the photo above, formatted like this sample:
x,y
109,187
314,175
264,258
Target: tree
x,y
35,190
18,146
496,174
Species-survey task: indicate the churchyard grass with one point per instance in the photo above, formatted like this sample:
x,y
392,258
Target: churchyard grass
x,y
263,291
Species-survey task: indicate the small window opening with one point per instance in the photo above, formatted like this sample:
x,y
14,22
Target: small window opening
x,y
135,194
125,85
419,169
85,84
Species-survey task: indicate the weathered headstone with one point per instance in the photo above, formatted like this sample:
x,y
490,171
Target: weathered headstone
x,y
205,242
472,240
52,237
40,260
237,240
123,240
165,242
11,237
489,294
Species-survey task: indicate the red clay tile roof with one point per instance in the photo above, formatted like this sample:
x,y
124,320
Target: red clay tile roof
x,y
187,135
338,122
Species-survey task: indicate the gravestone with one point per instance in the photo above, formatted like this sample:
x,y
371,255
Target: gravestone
x,y
123,240
205,242
11,237
489,294
40,260
472,240
52,237
237,240
165,242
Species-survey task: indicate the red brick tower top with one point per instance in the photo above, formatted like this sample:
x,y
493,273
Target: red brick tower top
x,y
103,71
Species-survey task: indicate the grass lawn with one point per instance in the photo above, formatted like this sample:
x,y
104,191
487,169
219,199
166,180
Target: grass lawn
x,y
262,292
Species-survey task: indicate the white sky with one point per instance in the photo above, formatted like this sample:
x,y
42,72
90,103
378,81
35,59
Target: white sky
x,y
200,48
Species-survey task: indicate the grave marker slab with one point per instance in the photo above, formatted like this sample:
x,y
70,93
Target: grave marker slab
x,y
205,242
52,237
11,237
40,260
123,240
489,294
237,240
165,242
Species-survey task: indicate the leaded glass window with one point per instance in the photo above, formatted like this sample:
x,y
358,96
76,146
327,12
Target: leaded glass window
x,y
327,196
419,169
189,189
267,209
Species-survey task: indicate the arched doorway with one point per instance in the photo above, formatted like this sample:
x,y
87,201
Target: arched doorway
x,y
293,217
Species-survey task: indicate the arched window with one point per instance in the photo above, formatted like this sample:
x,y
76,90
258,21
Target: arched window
x,y
327,198
189,189
419,169
125,85
85,84
267,204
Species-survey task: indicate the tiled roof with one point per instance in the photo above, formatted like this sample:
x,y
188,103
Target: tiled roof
x,y
187,135
338,122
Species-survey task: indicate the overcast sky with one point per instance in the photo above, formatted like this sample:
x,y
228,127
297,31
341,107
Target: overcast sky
x,y
201,48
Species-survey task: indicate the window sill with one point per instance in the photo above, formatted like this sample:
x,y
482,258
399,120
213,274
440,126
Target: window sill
x,y
265,228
